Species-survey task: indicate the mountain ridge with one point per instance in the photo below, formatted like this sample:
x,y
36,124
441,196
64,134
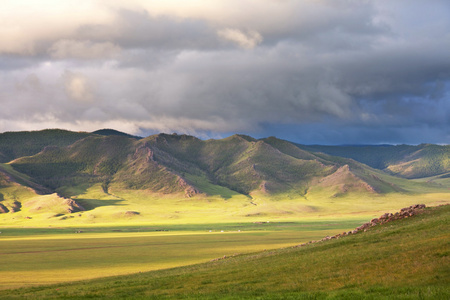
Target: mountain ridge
x,y
184,167
407,161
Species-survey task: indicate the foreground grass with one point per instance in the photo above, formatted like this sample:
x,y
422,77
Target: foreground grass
x,y
406,259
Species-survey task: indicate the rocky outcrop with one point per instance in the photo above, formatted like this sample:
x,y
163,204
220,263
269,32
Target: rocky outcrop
x,y
3,209
145,151
73,206
189,190
385,218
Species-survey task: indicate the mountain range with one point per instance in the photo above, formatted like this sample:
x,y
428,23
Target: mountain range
x,y
58,162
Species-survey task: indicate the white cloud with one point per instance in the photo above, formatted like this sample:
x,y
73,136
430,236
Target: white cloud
x,y
77,87
248,40
29,27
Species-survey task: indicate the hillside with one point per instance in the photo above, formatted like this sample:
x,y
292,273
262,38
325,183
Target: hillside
x,y
239,176
239,163
108,132
26,143
180,163
20,195
88,160
403,259
18,144
407,161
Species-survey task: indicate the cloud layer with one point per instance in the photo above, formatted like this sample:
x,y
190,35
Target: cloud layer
x,y
311,71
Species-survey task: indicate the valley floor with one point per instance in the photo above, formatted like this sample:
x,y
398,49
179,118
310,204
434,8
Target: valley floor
x,y
34,256
403,259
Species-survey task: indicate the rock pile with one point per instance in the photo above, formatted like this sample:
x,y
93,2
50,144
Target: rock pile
x,y
225,257
387,217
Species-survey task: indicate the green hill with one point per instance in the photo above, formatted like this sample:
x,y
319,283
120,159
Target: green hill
x,y
266,177
107,132
239,163
18,194
25,143
159,162
407,161
89,160
403,259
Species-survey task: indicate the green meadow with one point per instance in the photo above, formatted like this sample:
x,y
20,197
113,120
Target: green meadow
x,y
404,259
124,207
125,231
34,256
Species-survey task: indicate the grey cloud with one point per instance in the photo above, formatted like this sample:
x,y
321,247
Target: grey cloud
x,y
344,65
14,62
138,29
83,50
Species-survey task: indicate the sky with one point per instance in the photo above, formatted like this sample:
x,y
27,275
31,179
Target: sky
x,y
309,71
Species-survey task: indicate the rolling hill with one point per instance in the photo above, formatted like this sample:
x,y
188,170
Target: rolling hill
x,y
25,143
19,194
174,163
406,161
266,175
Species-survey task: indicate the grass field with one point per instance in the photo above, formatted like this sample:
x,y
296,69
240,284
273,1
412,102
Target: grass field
x,y
124,207
405,259
33,256
126,231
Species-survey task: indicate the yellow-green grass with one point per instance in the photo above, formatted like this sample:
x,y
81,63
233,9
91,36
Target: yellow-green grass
x,y
34,256
405,259
124,222
442,180
138,207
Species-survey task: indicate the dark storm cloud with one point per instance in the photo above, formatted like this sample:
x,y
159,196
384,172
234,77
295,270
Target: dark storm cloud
x,y
325,71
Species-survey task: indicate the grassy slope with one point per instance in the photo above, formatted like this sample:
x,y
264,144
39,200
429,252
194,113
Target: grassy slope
x,y
238,163
92,159
241,179
428,160
118,205
424,160
19,201
21,179
107,132
26,143
406,259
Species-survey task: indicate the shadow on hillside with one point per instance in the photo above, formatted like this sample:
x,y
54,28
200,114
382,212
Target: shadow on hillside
x,y
90,204
72,191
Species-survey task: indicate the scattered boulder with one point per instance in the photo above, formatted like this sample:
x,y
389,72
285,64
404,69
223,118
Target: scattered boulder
x,y
225,257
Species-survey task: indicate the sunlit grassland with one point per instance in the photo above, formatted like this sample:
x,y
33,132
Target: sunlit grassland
x,y
439,180
406,259
128,231
140,207
33,256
